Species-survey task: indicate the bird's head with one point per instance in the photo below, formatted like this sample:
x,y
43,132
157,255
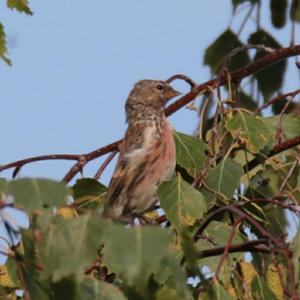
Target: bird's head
x,y
151,93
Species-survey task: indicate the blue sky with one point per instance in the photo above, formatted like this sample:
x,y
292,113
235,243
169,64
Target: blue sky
x,y
74,63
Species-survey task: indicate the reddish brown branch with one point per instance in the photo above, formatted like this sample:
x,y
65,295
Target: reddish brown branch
x,y
236,210
238,75
104,165
22,162
280,246
228,245
259,159
187,79
280,201
250,246
278,99
90,156
286,145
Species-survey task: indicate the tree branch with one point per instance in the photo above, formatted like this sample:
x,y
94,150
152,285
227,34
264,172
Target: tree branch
x,y
236,76
251,246
278,99
259,158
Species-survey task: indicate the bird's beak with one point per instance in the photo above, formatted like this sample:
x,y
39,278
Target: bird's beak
x,y
170,93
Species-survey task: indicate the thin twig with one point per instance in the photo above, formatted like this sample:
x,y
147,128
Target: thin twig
x,y
246,19
227,247
10,232
187,79
279,128
276,201
277,99
259,245
22,162
259,158
104,165
235,209
90,156
278,242
237,75
235,51
288,176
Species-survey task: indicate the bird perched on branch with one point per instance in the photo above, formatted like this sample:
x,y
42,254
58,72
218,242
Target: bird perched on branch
x,y
147,154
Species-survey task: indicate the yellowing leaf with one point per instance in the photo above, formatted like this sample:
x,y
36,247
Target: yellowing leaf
x,y
251,130
5,280
274,281
67,212
167,293
89,193
151,215
248,272
182,203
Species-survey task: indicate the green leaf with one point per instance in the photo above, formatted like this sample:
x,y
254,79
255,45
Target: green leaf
x,y
270,79
89,193
295,10
66,288
182,203
37,288
167,293
290,125
260,290
264,184
247,102
3,48
3,187
89,288
12,272
171,274
251,130
189,251
278,12
70,245
216,53
216,235
20,5
87,186
95,289
190,152
225,177
216,292
33,194
135,253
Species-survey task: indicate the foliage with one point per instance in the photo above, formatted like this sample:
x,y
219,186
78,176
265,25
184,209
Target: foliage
x,y
21,6
234,184
88,255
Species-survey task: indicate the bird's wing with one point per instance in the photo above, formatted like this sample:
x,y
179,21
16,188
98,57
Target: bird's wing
x,y
137,142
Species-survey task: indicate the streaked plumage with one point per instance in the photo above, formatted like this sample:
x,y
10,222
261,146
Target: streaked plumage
x,y
147,154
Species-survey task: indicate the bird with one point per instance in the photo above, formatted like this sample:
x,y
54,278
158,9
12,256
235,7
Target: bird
x,y
147,154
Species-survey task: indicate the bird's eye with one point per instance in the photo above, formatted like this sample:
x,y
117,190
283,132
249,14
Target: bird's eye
x,y
159,87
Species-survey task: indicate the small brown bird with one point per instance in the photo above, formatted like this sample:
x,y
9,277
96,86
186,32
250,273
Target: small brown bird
x,y
147,154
